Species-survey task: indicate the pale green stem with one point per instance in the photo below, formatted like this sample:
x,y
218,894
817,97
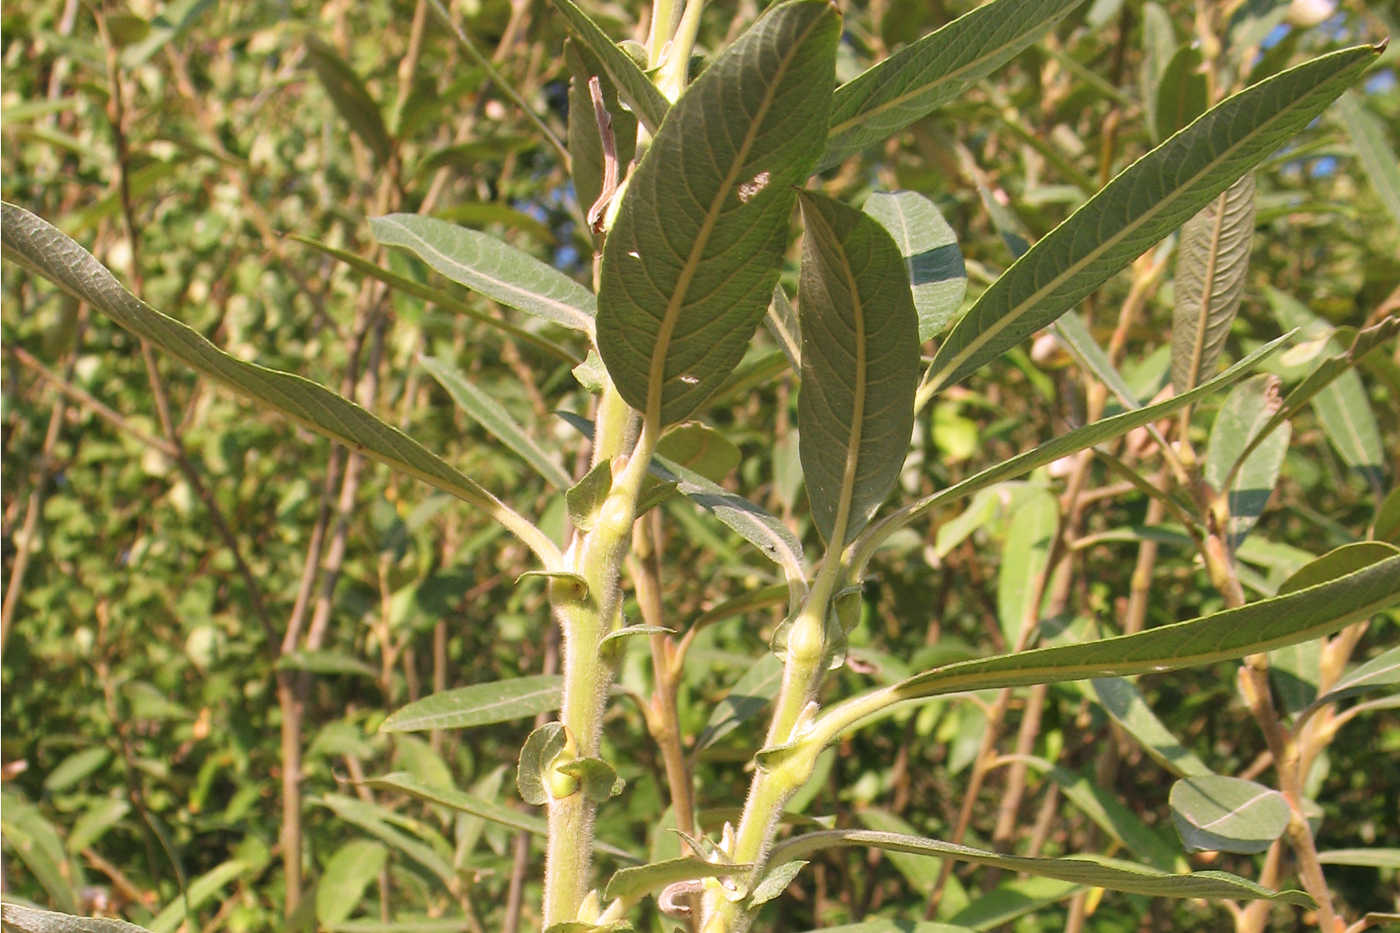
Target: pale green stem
x,y
676,68
585,619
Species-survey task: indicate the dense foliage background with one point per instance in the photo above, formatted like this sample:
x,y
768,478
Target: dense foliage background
x,y
198,593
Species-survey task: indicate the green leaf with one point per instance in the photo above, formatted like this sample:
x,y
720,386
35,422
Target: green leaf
x,y
1182,92
37,845
1035,522
1110,814
1373,151
203,889
99,817
584,498
1012,899
921,873
1386,525
1073,333
781,322
1122,700
428,849
1227,814
893,926
486,265
649,104
1380,672
41,248
1222,636
931,256
487,412
1246,481
1369,858
751,693
1147,201
700,448
1158,45
1212,262
347,873
1065,444
938,68
536,758
689,267
586,151
75,767
598,779
1089,870
860,363
21,919
348,93
479,705
644,879
775,882
443,299
477,806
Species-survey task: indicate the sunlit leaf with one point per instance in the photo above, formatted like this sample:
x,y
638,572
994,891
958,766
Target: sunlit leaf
x,y
1247,482
649,104
479,704
21,919
1373,151
1227,814
645,879
348,872
931,256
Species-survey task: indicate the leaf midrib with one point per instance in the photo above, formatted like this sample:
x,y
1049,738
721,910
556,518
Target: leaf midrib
x,y
1198,345
997,326
656,377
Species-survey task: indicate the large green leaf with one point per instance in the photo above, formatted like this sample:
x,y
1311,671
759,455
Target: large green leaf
x,y
1247,481
1212,260
348,872
18,918
487,412
690,264
938,68
1024,558
486,265
1065,444
645,99
348,93
1222,636
1227,814
937,275
860,365
1148,200
440,297
45,250
1373,151
1090,870
479,705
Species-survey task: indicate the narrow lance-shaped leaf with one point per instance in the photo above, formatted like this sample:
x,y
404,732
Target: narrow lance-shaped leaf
x,y
860,361
1226,814
645,99
1182,91
23,919
642,879
1065,444
939,67
587,152
443,299
1090,870
1246,482
1212,261
44,249
1024,558
690,264
348,872
486,265
348,93
479,705
1222,636
1148,200
487,412
931,255
1122,700
1373,151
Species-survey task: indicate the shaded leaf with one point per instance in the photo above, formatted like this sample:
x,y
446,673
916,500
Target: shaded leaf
x,y
586,153
479,704
931,256
1158,45
1227,814
1212,261
420,842
348,93
326,662
486,265
689,267
42,248
1025,555
1089,870
487,412
1145,202
775,882
1373,151
348,872
936,69
201,890
750,694
536,758
646,101
1369,858
1181,92
781,322
1122,700
37,845
1246,482
859,366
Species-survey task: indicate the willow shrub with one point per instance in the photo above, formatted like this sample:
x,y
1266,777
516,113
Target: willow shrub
x,y
691,190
